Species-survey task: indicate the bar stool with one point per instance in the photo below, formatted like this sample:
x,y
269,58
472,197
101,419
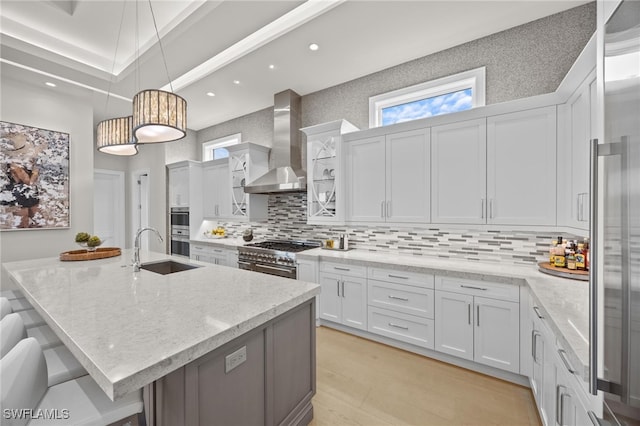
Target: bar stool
x,y
23,373
45,336
11,332
20,304
11,294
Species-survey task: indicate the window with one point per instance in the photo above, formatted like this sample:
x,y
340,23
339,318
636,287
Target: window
x,y
216,149
445,95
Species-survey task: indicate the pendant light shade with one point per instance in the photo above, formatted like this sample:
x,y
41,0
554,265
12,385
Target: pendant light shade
x,y
159,116
114,136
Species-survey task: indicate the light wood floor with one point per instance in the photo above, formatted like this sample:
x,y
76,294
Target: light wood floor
x,y
360,382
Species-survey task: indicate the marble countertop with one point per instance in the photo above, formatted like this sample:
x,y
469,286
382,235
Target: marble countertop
x,y
564,302
128,329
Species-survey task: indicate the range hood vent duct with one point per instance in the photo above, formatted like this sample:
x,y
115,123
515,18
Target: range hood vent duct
x,y
287,174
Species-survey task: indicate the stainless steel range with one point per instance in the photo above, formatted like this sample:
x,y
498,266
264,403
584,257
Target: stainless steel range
x,y
274,257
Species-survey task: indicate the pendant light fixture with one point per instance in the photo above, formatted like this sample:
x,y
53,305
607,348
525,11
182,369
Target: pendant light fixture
x,y
114,137
159,116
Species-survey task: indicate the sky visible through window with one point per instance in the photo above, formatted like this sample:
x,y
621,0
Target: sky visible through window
x,y
437,105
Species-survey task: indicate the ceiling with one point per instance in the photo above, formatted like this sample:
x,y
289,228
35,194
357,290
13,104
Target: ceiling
x,y
91,48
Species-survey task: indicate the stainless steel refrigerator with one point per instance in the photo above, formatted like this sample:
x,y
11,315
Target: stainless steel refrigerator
x,y
615,224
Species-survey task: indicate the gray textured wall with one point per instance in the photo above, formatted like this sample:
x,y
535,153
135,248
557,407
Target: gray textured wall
x,y
524,61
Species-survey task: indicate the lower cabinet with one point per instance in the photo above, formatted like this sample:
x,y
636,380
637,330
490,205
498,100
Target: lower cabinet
x,y
343,298
214,255
478,328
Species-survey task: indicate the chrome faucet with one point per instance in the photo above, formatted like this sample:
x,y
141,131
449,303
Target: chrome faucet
x,y
136,247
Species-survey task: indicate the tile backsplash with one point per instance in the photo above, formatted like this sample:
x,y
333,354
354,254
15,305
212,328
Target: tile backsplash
x,y
287,220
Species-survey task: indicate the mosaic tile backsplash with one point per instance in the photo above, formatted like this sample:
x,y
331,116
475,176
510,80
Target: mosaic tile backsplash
x,y
287,220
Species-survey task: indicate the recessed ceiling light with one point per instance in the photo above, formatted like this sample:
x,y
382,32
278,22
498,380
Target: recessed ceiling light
x,y
314,47
272,67
211,94
50,84
236,81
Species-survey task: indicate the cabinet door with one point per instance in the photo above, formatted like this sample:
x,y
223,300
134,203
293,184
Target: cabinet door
x,y
223,191
323,178
407,182
580,116
521,167
454,324
549,381
459,172
497,331
354,302
365,179
179,186
210,191
330,302
537,362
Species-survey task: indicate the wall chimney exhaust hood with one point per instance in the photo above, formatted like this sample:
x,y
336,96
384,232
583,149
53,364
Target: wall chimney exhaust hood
x,y
287,174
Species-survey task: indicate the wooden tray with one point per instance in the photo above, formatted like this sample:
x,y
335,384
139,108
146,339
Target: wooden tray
x,y
548,268
99,253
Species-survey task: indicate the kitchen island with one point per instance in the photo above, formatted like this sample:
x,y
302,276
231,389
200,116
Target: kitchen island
x,y
207,344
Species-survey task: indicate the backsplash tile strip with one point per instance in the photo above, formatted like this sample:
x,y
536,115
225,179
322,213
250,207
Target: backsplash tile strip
x,y
287,219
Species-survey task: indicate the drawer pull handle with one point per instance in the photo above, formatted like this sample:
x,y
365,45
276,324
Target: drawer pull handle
x,y
404,299
537,311
472,287
565,361
398,326
398,276
341,269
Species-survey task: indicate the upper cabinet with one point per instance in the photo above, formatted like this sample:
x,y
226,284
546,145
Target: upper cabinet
x,y
459,172
387,178
216,189
325,180
247,162
179,186
521,168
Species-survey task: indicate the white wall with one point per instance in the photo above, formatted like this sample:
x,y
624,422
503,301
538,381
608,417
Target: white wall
x,y
52,109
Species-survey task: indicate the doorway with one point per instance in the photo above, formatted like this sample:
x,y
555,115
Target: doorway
x,y
109,207
140,211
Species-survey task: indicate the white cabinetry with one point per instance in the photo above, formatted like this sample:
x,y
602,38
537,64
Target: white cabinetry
x,y
179,185
387,178
247,162
214,255
216,197
521,168
325,180
459,172
401,306
478,321
343,296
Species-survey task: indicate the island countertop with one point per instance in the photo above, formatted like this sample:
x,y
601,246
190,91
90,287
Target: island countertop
x,y
128,329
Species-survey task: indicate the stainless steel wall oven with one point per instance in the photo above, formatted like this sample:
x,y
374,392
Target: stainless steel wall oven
x,y
180,231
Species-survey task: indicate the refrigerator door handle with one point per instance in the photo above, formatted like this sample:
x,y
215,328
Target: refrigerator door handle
x,y
593,269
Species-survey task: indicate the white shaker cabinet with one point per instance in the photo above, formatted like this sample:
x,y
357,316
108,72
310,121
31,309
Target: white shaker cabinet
x,y
521,167
343,296
459,172
454,324
216,197
387,178
179,186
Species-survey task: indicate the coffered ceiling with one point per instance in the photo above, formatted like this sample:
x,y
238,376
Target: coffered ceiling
x,y
241,51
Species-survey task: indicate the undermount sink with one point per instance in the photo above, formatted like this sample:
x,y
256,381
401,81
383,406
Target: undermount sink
x,y
167,267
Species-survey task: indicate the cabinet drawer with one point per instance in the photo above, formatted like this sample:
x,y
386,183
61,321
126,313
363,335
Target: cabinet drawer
x,y
401,277
401,298
344,269
407,328
196,249
492,290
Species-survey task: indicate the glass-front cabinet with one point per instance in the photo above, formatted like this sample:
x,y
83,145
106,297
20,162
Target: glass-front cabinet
x,y
325,192
247,162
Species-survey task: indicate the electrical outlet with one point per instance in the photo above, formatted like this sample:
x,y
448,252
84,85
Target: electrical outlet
x,y
234,359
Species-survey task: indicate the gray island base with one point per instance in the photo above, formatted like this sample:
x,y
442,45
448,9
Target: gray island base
x,y
264,377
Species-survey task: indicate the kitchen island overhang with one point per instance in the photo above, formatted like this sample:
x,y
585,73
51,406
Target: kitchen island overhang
x,y
130,329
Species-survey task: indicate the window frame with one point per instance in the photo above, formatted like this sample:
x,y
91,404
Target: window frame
x,y
474,79
223,142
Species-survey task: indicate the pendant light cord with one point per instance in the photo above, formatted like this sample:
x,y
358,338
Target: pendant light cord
x,y
164,60
115,56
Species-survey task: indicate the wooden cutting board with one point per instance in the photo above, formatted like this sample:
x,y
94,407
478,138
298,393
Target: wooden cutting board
x,y
99,253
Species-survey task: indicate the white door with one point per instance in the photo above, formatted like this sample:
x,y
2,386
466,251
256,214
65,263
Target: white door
x,y
330,306
365,179
354,302
454,324
109,207
408,176
497,331
521,167
140,206
459,172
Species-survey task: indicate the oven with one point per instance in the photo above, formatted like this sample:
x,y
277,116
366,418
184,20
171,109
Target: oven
x,y
180,231
274,257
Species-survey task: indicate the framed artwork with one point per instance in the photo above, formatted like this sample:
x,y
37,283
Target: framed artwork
x,y
34,178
